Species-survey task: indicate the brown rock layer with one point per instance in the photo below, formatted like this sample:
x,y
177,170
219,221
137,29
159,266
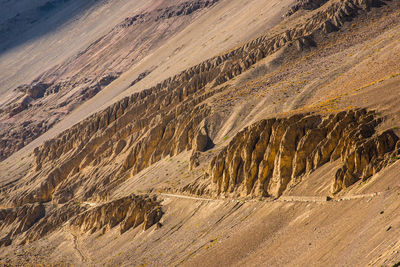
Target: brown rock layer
x,y
128,212
264,158
215,71
15,221
33,221
306,5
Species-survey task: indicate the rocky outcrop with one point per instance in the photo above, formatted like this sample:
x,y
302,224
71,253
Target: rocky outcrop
x,y
17,135
21,105
59,90
32,222
201,140
141,134
37,90
181,9
214,71
264,158
140,77
129,212
15,221
164,120
366,159
53,220
305,5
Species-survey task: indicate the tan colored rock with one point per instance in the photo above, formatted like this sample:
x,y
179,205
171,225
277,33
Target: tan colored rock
x,y
201,139
128,212
15,221
265,157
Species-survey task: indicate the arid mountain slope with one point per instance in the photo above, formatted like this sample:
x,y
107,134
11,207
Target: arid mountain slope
x,y
280,150
157,35
57,91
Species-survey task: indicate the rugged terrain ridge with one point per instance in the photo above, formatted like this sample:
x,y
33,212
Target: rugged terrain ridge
x,y
80,182
35,221
264,158
156,120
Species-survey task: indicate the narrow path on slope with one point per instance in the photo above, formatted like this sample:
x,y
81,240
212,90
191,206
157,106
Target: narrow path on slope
x,y
308,199
284,198
192,198
370,195
83,254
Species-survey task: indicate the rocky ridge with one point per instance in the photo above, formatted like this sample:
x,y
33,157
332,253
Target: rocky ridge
x,y
172,117
181,9
34,221
18,220
305,5
59,90
128,212
160,121
216,70
264,158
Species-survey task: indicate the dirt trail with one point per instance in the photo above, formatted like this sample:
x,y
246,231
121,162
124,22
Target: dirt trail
x,y
192,198
77,245
308,199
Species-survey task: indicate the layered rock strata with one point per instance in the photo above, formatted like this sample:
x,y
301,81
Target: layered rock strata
x,y
160,121
264,158
58,91
31,222
216,70
14,221
129,212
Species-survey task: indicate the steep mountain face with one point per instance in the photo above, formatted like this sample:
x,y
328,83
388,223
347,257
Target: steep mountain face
x,y
56,92
263,159
128,212
297,122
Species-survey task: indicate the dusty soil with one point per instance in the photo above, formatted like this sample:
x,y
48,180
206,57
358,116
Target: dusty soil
x,y
160,152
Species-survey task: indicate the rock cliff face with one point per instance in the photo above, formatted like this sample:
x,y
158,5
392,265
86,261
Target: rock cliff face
x,y
128,212
165,120
139,135
305,5
56,92
34,221
264,158
18,220
215,71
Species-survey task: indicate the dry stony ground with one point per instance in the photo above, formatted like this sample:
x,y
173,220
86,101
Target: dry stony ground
x,y
186,174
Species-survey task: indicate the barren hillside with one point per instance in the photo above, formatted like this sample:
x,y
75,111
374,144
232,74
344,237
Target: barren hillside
x,y
200,133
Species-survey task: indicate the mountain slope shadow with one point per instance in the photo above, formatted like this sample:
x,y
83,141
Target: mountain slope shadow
x,y
41,18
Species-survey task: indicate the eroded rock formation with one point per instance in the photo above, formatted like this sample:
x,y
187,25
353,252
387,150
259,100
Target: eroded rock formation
x,y
216,70
58,91
31,222
14,136
128,212
185,8
264,158
306,5
163,120
15,221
